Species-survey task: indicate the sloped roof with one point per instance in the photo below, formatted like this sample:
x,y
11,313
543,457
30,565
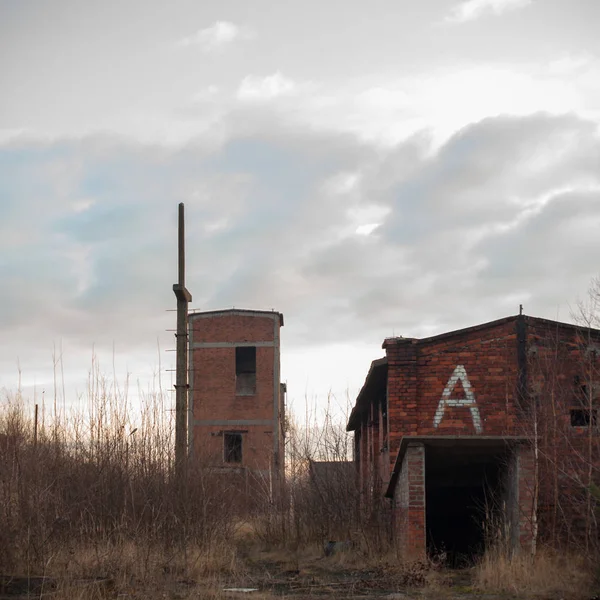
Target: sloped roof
x,y
375,383
484,326
378,369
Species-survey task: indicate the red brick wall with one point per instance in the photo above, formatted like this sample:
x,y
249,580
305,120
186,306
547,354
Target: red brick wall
x,y
365,465
233,328
213,388
373,469
526,491
559,361
257,445
213,385
419,371
408,511
513,368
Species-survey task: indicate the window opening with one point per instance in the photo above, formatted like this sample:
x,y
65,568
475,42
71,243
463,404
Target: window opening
x,y
245,370
232,447
583,417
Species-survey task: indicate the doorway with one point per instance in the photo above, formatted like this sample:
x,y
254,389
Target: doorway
x,y
465,486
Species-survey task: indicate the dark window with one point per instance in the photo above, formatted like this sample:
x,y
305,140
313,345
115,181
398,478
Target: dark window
x,y
581,417
245,370
232,447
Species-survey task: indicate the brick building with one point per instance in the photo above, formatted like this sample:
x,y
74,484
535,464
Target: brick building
x,y
444,427
236,401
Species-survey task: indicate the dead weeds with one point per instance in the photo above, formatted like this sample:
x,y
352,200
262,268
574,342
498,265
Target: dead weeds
x,y
299,574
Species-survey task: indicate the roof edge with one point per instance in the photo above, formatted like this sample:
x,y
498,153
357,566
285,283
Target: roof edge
x,y
247,312
375,364
448,334
394,341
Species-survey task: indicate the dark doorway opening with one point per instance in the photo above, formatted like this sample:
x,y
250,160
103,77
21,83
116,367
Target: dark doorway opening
x,y
464,491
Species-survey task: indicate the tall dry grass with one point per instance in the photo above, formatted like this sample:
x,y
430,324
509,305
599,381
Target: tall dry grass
x,y
548,573
322,499
91,490
91,495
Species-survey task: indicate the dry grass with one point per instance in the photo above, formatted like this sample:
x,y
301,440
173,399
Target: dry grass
x,y
549,574
88,500
91,504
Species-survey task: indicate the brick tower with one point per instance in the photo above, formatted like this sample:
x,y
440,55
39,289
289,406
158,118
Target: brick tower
x,y
236,400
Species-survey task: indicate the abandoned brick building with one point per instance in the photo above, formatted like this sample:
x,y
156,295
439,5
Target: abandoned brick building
x,y
446,424
236,401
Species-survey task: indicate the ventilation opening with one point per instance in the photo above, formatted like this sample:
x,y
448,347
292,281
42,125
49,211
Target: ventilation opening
x,y
245,370
583,417
232,447
463,488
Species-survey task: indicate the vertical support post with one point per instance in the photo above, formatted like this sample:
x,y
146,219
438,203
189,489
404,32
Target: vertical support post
x,y
181,380
409,513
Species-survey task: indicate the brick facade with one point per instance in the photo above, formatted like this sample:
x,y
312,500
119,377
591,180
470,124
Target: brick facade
x,y
220,410
524,462
474,384
408,506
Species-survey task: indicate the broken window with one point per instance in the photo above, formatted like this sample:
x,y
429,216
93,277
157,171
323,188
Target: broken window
x,y
232,447
583,417
245,370
582,414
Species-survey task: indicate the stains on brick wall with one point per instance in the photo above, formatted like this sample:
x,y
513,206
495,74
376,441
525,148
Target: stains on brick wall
x,y
220,409
491,381
464,383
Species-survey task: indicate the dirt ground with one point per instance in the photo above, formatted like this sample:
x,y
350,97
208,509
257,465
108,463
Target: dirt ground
x,y
270,576
324,578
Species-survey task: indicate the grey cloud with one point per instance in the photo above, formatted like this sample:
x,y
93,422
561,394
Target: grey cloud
x,y
465,235
553,250
486,172
437,257
104,272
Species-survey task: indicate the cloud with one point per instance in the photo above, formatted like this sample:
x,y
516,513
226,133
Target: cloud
x,y
351,241
206,94
217,36
469,10
254,88
367,228
388,110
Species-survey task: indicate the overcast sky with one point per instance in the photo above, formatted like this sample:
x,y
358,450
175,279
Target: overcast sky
x,y
367,168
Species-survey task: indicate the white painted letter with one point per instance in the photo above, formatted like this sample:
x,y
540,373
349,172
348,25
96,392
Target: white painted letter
x,y
468,401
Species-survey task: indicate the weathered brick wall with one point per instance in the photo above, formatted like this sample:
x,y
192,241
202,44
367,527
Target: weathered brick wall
x,y
403,411
257,446
419,371
561,362
233,328
526,491
408,511
365,466
491,381
213,385
373,466
215,406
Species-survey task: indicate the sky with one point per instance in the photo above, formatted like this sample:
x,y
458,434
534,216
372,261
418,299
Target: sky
x,y
367,169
